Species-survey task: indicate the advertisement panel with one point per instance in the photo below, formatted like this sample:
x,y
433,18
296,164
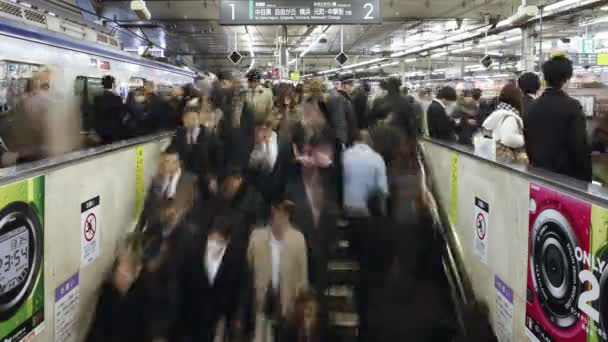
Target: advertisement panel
x,y
21,259
567,258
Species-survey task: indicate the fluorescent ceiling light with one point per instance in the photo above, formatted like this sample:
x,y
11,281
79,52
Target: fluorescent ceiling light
x,y
251,52
594,21
560,5
389,64
439,54
464,49
409,60
360,70
513,39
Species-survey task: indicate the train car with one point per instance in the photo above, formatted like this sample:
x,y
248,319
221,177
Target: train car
x,y
76,57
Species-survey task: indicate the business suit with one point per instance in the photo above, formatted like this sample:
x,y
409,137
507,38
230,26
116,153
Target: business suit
x,y
441,126
556,135
320,234
109,115
227,297
293,273
157,202
527,101
203,156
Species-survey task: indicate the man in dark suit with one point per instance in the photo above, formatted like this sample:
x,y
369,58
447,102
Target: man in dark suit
x,y
216,282
555,127
529,83
310,186
199,150
171,196
441,125
110,113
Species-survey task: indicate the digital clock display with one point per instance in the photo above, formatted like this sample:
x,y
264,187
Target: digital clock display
x,y
14,259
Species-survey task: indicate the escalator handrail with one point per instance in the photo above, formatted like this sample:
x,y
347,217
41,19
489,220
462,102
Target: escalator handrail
x,y
452,255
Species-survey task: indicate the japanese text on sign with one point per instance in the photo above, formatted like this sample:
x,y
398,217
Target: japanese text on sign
x,y
273,12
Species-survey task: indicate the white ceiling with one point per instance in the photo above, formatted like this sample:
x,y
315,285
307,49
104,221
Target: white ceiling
x,y
189,27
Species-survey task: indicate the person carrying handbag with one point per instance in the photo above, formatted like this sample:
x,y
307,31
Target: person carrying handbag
x,y
507,126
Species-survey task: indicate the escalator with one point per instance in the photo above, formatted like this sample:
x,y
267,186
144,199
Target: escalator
x,y
451,284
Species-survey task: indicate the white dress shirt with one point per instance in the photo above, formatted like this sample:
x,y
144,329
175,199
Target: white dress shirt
x,y
276,247
193,135
169,187
213,258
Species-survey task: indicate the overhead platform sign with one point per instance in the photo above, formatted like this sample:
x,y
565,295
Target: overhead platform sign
x,y
300,12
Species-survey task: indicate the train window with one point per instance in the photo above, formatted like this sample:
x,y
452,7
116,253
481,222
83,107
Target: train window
x,y
136,83
87,88
15,82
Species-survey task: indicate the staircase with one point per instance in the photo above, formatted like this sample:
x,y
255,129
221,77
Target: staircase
x,y
343,275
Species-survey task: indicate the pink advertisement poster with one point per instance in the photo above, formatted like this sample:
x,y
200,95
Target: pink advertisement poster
x,y
566,259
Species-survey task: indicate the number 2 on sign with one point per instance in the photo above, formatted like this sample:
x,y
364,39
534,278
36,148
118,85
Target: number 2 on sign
x,y
370,9
589,296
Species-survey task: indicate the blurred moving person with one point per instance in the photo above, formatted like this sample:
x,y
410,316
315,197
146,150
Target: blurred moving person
x,y
441,125
306,322
341,114
529,83
286,113
467,112
110,113
119,316
364,174
507,125
157,110
173,187
395,109
311,186
216,285
258,97
360,99
555,127
278,261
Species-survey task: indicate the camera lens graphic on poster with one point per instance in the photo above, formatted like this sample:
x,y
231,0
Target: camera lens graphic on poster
x,y
21,259
567,293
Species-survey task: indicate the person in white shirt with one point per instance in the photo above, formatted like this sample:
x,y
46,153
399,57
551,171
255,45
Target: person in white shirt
x,y
364,174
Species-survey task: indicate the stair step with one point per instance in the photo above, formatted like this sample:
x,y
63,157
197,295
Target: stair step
x,y
343,265
340,291
344,319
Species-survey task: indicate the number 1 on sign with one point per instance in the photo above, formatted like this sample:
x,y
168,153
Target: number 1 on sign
x,y
232,8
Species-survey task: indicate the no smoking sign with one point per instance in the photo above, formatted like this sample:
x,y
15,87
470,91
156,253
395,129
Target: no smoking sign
x,y
480,242
90,230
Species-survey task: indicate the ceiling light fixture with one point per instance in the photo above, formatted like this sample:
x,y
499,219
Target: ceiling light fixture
x,y
464,49
251,52
439,54
352,66
594,21
409,60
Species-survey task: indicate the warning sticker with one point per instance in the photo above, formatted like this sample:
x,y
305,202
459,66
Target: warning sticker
x,y
480,243
89,230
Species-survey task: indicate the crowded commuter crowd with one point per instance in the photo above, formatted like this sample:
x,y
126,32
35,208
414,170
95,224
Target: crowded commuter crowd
x,y
547,131
261,189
